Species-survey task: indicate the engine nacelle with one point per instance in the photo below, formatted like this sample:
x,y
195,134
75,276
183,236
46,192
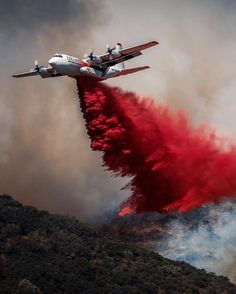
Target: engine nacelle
x,y
115,54
44,73
89,71
95,60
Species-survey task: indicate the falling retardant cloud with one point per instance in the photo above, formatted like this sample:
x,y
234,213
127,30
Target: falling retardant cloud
x,y
171,165
192,69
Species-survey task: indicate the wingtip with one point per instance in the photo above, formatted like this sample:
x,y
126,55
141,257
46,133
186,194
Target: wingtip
x,y
155,42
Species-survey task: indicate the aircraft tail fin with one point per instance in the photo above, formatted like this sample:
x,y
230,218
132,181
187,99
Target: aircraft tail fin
x,y
121,65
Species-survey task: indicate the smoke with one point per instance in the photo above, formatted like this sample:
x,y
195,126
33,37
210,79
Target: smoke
x,y
204,238
193,66
41,129
50,24
33,15
45,157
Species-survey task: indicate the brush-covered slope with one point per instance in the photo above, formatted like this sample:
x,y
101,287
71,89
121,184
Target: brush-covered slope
x,y
44,253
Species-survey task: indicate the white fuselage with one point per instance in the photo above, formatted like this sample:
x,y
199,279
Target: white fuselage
x,y
73,67
65,64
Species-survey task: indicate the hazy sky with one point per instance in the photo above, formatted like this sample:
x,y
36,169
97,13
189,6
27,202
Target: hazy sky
x,y
193,67
45,156
45,159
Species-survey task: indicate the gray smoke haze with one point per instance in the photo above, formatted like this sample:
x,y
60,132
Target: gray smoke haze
x,y
30,15
40,121
204,238
45,155
44,147
193,69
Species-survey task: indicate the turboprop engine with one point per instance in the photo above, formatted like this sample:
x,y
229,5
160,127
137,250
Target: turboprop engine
x,y
44,73
92,59
90,71
41,70
114,52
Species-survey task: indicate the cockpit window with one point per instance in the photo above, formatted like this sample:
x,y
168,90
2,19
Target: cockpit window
x,y
57,55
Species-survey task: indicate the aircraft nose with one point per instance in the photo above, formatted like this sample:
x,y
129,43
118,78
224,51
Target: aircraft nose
x,y
52,61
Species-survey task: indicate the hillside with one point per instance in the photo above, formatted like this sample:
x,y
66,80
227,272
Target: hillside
x,y
45,253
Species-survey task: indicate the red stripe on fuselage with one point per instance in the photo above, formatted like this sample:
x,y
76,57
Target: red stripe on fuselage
x,y
84,63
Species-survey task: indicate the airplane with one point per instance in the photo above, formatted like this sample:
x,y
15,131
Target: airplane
x,y
96,67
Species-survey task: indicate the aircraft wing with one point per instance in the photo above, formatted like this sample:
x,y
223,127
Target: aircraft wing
x,y
126,54
106,57
26,74
120,59
138,48
44,72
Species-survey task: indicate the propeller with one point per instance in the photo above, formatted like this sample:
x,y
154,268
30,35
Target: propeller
x,y
36,66
109,50
90,55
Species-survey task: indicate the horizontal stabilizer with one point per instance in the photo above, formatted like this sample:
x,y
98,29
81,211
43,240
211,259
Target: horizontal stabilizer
x,y
132,70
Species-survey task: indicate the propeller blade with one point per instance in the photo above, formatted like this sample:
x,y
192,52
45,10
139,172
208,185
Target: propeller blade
x,y
109,51
36,66
91,54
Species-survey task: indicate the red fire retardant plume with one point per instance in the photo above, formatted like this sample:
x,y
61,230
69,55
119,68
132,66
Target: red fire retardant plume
x,y
172,166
